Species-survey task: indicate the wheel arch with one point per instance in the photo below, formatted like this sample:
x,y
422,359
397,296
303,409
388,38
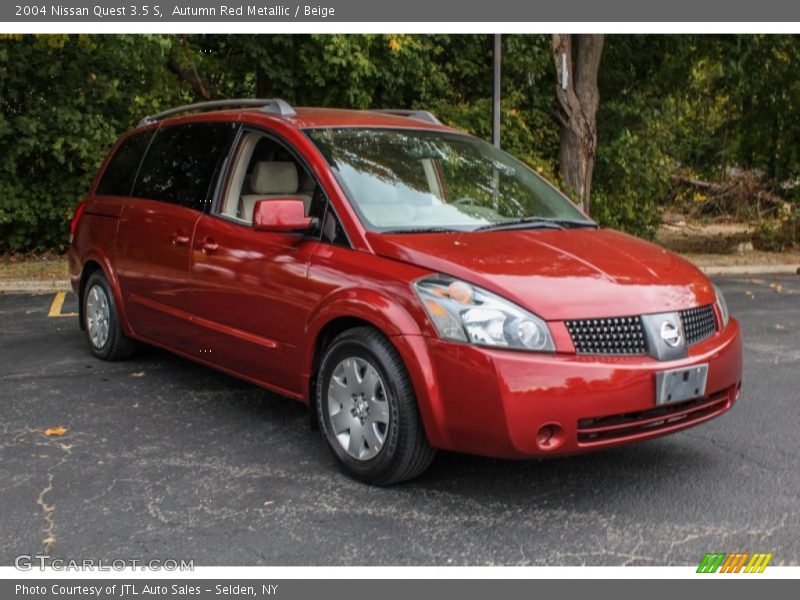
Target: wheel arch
x,y
384,314
346,308
92,263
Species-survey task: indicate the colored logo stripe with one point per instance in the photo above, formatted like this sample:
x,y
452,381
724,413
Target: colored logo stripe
x,y
711,562
758,563
734,562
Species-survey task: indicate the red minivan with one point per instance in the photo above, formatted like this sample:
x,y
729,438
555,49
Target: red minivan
x,y
415,286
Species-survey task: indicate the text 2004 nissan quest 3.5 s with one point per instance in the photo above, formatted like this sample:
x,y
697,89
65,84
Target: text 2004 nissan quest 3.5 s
x,y
417,287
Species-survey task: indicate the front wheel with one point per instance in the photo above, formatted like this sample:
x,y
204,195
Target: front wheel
x,y
367,409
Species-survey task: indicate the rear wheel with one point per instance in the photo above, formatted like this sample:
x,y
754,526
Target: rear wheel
x,y
367,409
101,321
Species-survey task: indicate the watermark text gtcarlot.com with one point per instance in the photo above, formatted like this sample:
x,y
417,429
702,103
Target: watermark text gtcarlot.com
x,y
29,562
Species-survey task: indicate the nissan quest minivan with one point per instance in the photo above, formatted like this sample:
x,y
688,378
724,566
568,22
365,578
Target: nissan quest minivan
x,y
418,288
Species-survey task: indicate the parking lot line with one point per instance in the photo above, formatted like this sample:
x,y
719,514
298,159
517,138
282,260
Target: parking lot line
x,y
58,303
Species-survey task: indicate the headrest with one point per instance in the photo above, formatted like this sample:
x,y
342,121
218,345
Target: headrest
x,y
270,177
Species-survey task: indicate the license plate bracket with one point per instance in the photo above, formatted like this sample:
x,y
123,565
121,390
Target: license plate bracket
x,y
677,385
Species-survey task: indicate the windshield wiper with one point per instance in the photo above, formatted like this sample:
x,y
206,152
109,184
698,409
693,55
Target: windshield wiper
x,y
526,223
423,230
536,223
575,224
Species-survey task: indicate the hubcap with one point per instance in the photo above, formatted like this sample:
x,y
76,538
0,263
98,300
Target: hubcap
x,y
98,313
358,408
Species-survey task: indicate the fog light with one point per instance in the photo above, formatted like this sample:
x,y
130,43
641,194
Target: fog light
x,y
550,436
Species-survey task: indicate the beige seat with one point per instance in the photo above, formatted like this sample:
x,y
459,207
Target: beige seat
x,y
272,180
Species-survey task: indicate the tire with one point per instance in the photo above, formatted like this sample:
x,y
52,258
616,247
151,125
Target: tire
x,y
393,445
101,322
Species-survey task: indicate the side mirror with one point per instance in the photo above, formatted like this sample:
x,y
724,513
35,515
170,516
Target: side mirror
x,y
281,216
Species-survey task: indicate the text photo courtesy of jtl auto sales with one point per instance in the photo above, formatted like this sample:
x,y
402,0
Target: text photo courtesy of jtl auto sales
x,y
398,300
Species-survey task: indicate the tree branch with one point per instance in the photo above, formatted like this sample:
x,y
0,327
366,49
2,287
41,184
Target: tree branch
x,y
191,76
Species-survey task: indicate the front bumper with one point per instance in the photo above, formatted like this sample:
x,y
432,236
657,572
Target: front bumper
x,y
495,402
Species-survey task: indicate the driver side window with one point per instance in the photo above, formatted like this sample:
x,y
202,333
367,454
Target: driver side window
x,y
264,169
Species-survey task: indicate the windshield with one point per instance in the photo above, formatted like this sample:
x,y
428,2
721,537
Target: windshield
x,y
417,180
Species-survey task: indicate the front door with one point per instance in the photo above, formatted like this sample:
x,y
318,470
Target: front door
x,y
251,300
248,301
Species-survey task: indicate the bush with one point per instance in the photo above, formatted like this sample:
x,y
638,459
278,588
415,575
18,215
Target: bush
x,y
64,101
631,177
779,233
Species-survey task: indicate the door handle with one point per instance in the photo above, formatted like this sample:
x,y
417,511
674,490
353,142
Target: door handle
x,y
209,246
179,238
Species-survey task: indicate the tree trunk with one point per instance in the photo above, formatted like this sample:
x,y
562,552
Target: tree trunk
x,y
578,99
262,82
190,75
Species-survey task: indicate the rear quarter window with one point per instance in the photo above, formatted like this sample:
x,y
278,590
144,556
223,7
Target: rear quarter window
x,y
120,173
183,163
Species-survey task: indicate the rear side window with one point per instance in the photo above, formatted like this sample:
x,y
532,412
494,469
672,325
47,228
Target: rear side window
x,y
183,163
120,173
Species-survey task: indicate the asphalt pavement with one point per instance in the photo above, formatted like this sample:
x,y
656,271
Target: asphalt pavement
x,y
164,458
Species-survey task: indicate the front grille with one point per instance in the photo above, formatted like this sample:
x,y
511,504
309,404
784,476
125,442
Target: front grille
x,y
625,335
698,323
617,335
598,430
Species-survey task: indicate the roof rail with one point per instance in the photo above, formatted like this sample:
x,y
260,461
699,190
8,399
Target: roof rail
x,y
274,106
419,115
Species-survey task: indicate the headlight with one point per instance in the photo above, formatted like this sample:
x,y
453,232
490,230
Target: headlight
x,y
465,313
723,306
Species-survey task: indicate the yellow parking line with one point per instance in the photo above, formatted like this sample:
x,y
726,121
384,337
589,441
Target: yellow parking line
x,y
58,303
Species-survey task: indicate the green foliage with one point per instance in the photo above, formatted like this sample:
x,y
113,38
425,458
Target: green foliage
x,y
638,169
65,100
691,105
699,106
635,153
756,86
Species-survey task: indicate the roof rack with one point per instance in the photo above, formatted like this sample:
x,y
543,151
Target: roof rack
x,y
274,106
419,115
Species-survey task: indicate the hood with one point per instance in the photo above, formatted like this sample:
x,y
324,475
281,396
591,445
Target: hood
x,y
559,274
